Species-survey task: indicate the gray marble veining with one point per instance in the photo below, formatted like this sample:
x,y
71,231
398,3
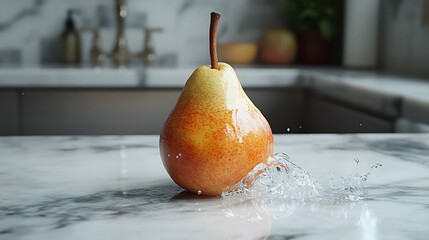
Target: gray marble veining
x,y
112,187
32,28
29,29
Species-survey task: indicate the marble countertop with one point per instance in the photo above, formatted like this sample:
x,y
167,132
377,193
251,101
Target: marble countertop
x,y
115,187
58,77
154,77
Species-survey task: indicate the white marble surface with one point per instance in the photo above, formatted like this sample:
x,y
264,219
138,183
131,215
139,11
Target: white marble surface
x,y
113,187
58,77
382,84
393,96
68,77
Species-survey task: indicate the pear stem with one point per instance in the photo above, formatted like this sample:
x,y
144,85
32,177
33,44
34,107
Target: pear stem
x,y
214,19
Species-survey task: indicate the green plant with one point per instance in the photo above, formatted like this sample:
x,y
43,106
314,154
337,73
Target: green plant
x,y
306,15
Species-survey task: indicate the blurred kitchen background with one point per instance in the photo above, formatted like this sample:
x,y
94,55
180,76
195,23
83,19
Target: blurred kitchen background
x,y
94,67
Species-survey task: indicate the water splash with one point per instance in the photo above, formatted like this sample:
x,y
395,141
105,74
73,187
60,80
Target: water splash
x,y
281,179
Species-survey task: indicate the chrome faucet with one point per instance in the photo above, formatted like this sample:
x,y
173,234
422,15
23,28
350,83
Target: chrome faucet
x,y
120,54
97,56
148,55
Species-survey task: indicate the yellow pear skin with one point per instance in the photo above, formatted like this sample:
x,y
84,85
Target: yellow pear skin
x,y
214,135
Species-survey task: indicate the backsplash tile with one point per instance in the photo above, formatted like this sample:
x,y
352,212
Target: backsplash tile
x,y
29,30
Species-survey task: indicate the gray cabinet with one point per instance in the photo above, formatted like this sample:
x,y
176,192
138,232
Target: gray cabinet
x,y
282,107
142,111
329,116
95,112
9,119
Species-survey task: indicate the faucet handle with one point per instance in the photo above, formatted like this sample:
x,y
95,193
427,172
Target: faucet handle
x,y
148,54
96,52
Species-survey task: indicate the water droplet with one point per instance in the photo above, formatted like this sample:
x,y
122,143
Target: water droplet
x,y
199,192
180,154
357,162
177,156
280,178
22,93
331,180
360,124
299,126
168,155
376,165
288,129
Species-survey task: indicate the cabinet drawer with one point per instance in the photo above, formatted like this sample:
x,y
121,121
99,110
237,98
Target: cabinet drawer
x,y
91,112
9,120
329,117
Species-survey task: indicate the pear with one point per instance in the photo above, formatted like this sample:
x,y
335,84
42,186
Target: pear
x,y
214,135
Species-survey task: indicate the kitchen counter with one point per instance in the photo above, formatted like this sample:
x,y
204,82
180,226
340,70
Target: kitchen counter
x,y
60,77
392,96
78,101
57,77
112,187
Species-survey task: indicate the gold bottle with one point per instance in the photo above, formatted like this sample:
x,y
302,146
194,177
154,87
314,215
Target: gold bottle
x,y
70,42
